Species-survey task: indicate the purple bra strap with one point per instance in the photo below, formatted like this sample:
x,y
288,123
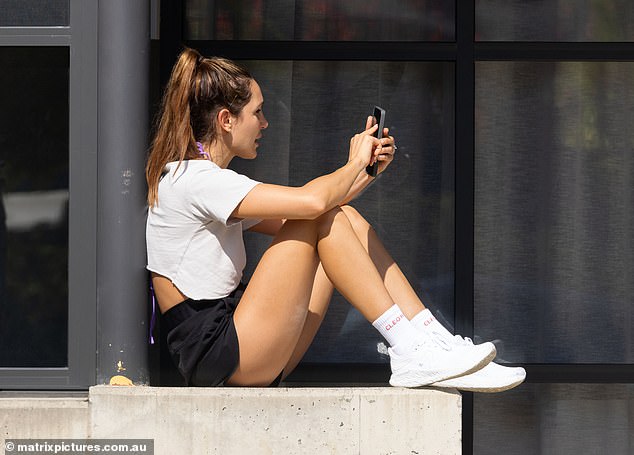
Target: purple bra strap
x,y
201,150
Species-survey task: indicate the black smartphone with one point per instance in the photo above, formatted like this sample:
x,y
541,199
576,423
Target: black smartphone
x,y
379,116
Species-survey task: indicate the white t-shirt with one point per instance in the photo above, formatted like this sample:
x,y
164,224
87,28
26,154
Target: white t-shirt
x,y
190,238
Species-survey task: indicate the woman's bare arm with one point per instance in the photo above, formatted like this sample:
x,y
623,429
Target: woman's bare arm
x,y
268,201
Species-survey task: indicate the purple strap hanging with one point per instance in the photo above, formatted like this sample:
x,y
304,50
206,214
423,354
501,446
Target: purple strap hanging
x,y
153,319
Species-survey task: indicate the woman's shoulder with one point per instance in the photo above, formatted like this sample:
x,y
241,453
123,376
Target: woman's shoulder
x,y
203,174
192,167
181,167
187,170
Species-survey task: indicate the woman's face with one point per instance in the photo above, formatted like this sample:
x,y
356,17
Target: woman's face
x,y
248,126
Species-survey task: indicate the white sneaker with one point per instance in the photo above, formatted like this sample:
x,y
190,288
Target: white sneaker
x,y
428,362
491,378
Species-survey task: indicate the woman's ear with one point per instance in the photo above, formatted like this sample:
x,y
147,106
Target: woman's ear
x,y
225,120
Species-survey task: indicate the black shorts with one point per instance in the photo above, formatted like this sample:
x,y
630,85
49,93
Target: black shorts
x,y
202,339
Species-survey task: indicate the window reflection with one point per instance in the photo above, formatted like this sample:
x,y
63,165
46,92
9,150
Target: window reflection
x,y
555,20
34,187
321,20
553,210
32,13
563,419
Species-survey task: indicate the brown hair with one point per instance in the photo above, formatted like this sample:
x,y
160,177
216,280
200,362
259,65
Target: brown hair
x,y
197,90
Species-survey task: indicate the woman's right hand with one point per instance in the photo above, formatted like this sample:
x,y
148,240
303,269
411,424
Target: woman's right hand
x,y
362,146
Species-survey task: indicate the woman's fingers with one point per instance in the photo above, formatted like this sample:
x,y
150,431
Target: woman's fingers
x,y
385,155
363,146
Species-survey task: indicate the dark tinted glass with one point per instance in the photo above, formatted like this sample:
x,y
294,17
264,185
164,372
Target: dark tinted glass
x,y
313,109
555,20
34,211
31,13
562,419
324,20
554,210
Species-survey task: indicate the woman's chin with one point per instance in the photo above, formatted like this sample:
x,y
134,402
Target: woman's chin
x,y
250,156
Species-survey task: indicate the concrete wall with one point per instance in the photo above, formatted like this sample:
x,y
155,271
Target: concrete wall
x,y
44,417
227,421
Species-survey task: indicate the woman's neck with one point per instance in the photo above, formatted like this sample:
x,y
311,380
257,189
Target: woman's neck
x,y
219,153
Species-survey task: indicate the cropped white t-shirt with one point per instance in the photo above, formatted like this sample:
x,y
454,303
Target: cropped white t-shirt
x,y
190,238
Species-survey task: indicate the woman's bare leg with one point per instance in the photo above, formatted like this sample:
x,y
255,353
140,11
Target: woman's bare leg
x,y
271,319
395,281
319,303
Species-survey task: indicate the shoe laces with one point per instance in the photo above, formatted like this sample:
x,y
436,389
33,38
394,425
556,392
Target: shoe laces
x,y
432,342
462,341
438,340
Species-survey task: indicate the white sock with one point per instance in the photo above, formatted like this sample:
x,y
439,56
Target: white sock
x,y
426,322
397,330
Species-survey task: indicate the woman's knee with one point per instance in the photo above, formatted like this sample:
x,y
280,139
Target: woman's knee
x,y
347,216
303,230
358,222
332,218
322,225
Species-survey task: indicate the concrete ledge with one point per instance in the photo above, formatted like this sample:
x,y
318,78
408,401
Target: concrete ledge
x,y
363,420
44,417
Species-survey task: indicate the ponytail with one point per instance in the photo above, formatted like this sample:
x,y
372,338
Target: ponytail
x,y
197,90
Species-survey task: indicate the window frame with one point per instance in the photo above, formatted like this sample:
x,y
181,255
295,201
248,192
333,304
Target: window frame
x,y
80,37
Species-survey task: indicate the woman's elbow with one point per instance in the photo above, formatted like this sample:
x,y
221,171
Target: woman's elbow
x,y
316,209
314,206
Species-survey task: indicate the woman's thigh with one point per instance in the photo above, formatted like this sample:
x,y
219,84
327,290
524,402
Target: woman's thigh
x,y
319,301
272,312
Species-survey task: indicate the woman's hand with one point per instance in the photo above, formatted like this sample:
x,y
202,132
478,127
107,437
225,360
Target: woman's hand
x,y
363,145
384,153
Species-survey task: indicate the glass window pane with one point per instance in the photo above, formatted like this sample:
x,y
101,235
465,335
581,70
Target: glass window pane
x,y
33,13
555,20
34,206
554,210
313,108
562,419
324,20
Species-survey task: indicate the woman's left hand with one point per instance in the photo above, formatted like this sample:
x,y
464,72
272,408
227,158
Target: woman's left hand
x,y
383,154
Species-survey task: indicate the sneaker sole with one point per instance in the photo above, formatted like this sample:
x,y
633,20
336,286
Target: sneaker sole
x,y
481,389
415,380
